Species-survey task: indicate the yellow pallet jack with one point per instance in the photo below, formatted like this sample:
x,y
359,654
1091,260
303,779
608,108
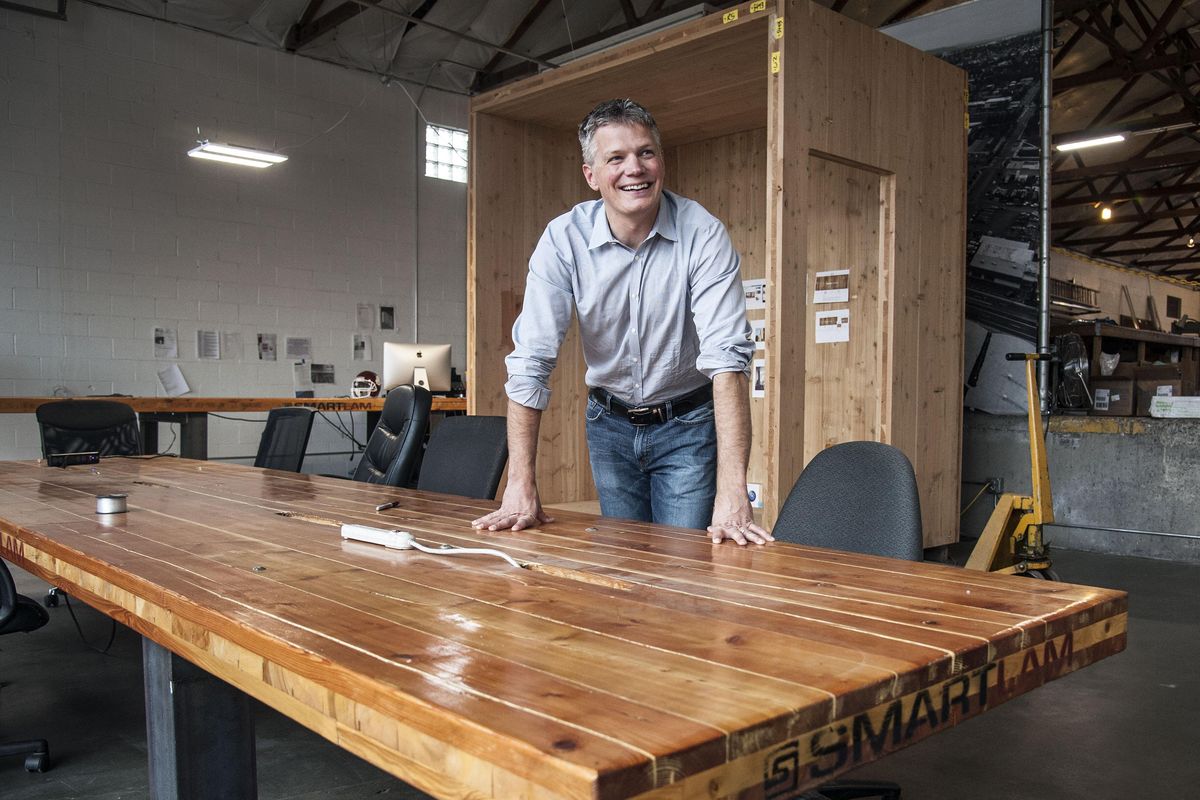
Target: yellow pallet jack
x,y
1012,541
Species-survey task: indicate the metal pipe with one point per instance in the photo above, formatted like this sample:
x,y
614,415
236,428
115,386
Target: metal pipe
x,y
1122,530
1044,255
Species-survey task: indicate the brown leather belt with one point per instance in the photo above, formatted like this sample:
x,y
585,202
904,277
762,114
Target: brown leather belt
x,y
653,415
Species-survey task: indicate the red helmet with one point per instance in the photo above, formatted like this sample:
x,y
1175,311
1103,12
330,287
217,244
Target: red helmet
x,y
366,384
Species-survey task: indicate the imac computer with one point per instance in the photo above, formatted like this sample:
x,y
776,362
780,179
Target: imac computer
x,y
424,365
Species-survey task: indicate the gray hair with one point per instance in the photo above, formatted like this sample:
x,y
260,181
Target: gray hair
x,y
622,111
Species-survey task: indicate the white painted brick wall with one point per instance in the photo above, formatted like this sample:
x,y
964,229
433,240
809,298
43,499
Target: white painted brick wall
x,y
108,230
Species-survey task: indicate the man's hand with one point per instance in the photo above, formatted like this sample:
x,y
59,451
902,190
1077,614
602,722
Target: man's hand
x,y
521,508
733,519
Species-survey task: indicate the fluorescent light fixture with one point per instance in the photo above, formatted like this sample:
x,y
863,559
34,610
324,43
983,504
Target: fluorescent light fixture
x,y
232,154
1099,140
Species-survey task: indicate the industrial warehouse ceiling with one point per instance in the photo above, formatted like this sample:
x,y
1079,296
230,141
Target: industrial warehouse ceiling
x,y
1128,66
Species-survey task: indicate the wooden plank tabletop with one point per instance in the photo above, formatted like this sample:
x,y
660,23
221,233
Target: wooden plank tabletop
x,y
189,405
622,660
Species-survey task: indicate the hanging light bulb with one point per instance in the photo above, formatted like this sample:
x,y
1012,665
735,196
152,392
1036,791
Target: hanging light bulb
x,y
1106,213
1191,241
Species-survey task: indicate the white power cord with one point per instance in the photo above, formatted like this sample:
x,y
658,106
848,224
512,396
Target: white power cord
x,y
403,540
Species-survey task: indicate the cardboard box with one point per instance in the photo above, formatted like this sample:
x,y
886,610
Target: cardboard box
x,y
1158,372
1175,407
1146,389
1112,397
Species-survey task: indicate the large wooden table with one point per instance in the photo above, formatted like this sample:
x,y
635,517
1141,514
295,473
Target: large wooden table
x,y
623,659
191,413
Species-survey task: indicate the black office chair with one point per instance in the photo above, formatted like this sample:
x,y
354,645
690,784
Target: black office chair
x,y
395,445
861,497
106,427
284,439
19,614
465,456
75,426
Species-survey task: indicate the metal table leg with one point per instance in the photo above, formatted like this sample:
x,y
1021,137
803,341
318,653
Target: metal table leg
x,y
199,732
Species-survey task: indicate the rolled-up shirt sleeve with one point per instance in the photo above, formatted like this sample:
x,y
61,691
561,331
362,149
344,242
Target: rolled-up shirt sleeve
x,y
539,330
719,306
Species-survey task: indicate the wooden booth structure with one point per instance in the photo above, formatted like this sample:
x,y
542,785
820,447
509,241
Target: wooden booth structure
x,y
824,146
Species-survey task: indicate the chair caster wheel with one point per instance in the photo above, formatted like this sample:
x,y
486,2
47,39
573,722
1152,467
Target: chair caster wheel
x,y
37,762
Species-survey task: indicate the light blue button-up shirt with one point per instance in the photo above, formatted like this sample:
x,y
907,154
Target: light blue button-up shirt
x,y
657,322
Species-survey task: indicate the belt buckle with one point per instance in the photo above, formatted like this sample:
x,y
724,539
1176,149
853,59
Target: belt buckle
x,y
645,415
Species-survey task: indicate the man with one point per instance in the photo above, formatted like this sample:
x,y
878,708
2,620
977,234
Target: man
x,y
654,281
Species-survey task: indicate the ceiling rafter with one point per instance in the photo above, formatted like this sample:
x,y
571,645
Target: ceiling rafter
x,y
1130,194
514,37
310,27
499,77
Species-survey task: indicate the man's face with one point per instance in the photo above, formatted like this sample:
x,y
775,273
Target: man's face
x,y
627,171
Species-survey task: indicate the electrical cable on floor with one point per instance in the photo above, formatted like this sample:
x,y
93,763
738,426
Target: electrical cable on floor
x,y
112,635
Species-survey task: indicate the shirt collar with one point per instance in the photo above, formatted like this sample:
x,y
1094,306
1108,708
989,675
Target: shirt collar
x,y
664,224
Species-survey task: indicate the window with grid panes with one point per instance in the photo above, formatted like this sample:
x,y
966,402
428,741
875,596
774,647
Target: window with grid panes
x,y
445,153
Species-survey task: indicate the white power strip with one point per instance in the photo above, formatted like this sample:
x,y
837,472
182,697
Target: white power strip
x,y
396,540
403,540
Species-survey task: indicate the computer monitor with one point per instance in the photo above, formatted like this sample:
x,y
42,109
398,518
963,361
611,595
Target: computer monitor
x,y
424,365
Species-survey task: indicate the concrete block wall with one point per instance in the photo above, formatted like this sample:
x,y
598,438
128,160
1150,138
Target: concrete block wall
x,y
108,230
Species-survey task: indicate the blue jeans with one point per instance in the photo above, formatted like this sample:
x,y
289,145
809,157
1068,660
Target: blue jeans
x,y
665,473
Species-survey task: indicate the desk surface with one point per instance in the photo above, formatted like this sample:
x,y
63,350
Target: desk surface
x,y
624,659
200,405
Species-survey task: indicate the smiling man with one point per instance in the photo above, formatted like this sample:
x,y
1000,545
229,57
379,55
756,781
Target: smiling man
x,y
654,281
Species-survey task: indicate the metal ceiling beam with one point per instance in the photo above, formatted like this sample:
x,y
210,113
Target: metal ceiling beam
x,y
1125,219
458,34
1190,271
60,12
1124,237
1179,60
905,12
1149,251
1147,191
1067,8
308,29
1129,165
494,79
1168,262
631,17
1160,28
514,37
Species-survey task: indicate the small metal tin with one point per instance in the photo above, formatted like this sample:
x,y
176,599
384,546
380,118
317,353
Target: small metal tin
x,y
111,503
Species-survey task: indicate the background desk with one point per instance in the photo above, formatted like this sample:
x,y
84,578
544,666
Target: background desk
x,y
191,413
626,660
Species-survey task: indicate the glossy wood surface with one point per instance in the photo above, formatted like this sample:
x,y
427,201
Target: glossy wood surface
x,y
622,660
200,405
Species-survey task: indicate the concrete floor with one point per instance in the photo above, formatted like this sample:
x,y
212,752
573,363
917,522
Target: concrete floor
x,y
1122,728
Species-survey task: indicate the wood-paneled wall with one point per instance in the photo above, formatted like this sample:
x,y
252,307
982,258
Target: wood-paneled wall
x,y
522,176
858,97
